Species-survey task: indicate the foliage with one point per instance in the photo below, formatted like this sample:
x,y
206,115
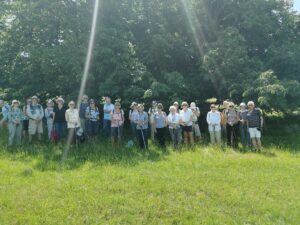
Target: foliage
x,y
167,50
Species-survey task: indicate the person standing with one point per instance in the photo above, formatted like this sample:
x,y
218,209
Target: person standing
x,y
142,127
49,113
92,116
107,109
4,111
160,122
151,112
255,124
245,137
232,119
14,118
59,118
35,113
196,115
73,121
133,116
26,118
82,109
173,121
213,119
186,116
117,121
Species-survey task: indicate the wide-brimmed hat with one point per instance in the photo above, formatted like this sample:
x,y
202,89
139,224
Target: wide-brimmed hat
x,y
15,101
243,104
193,105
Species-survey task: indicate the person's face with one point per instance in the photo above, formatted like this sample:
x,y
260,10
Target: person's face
x,y
250,106
176,106
173,111
231,107
184,106
213,108
34,101
140,108
85,98
92,104
16,104
107,100
72,105
117,106
135,107
60,102
29,102
243,107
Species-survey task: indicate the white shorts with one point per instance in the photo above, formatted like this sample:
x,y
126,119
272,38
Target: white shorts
x,y
254,133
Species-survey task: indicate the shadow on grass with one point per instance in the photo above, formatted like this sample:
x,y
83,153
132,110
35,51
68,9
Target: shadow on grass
x,y
45,157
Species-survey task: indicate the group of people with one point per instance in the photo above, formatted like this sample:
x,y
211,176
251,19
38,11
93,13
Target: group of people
x,y
182,122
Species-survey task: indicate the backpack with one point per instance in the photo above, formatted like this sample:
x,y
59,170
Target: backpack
x,y
122,114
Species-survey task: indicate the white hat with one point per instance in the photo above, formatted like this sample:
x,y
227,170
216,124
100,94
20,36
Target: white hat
x,y
193,105
34,97
60,99
243,104
15,101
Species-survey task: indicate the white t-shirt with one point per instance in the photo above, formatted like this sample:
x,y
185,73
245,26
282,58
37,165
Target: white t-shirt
x,y
186,117
173,121
109,107
214,121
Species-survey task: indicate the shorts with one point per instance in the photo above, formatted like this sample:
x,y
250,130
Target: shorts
x,y
116,132
25,125
187,129
254,132
35,127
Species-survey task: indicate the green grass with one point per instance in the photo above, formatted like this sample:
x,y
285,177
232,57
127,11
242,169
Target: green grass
x,y
101,185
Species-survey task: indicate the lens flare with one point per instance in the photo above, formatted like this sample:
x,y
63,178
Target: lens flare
x,y
85,72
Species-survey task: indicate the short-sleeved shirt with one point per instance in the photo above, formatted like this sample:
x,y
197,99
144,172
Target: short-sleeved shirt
x,y
15,114
5,109
143,117
160,119
232,116
186,116
82,109
93,113
109,107
118,118
173,121
60,115
253,118
134,115
195,118
243,114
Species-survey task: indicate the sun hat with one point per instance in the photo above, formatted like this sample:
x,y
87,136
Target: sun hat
x,y
60,99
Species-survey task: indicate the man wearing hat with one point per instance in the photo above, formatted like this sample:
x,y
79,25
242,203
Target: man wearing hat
x,y
35,113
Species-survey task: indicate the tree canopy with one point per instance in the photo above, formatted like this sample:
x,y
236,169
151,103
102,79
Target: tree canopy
x,y
152,49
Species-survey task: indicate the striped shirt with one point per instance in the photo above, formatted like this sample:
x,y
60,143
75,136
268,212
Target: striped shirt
x,y
253,118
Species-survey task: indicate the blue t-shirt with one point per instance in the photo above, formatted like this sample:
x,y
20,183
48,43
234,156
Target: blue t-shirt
x,y
109,107
160,120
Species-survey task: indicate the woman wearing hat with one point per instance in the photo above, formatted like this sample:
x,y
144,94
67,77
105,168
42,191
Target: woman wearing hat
x,y
196,114
187,123
73,121
92,116
173,121
232,119
49,116
35,113
160,122
133,116
14,118
59,118
213,119
117,121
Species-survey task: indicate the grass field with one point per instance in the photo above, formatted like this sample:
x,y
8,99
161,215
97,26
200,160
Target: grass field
x,y
101,185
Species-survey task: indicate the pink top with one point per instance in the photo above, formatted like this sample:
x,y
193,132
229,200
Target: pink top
x,y
117,118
